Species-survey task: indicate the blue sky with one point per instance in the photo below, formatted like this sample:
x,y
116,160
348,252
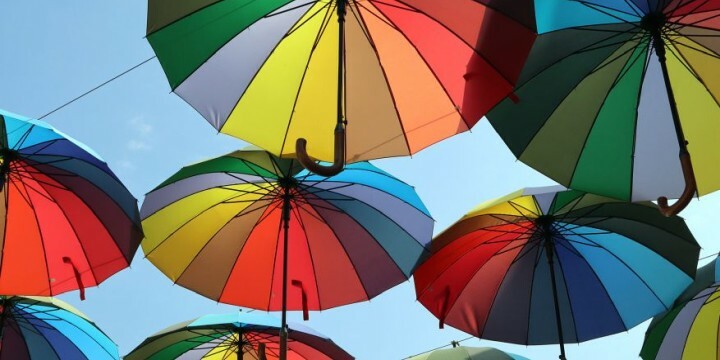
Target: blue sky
x,y
52,51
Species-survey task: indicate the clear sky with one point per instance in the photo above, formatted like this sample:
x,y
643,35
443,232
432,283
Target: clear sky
x,y
52,51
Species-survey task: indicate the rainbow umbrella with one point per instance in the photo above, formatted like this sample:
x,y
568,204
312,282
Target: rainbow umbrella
x,y
49,329
68,221
543,266
246,336
613,91
397,75
467,353
689,331
221,227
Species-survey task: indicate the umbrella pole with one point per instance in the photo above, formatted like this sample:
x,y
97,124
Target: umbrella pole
x,y
287,197
688,173
550,252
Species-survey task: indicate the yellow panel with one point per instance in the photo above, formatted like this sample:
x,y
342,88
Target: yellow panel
x,y
224,350
164,222
261,116
699,113
513,204
315,115
702,339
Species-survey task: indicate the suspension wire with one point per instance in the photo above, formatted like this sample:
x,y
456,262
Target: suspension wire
x,y
709,256
97,87
452,343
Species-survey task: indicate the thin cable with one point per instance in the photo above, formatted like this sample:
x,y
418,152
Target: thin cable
x,y
709,256
97,87
441,347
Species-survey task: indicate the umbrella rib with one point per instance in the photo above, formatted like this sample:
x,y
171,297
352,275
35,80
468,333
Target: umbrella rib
x,y
700,49
606,11
26,134
355,15
312,262
690,69
687,13
567,293
300,24
323,26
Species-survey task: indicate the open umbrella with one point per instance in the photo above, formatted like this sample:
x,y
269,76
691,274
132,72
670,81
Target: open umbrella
x,y
221,228
398,75
467,353
689,331
613,91
66,221
49,329
554,267
247,336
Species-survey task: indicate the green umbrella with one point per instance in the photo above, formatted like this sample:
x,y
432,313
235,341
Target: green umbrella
x,y
467,353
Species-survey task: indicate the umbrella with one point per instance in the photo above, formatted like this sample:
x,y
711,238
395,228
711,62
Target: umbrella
x,y
690,329
398,75
248,336
613,91
68,222
221,227
467,353
49,329
543,266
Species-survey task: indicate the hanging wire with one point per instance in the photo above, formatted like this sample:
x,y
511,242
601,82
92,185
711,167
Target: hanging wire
x,y
452,343
709,256
97,87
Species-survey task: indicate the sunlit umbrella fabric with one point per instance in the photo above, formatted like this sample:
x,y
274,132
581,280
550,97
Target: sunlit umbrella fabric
x,y
689,331
216,337
216,228
616,265
68,221
467,353
49,329
415,71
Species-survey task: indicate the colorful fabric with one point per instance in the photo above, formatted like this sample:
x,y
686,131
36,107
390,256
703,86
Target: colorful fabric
x,y
215,228
468,353
616,265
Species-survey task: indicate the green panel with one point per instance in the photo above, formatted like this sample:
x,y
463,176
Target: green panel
x,y
656,333
563,199
559,143
186,44
605,166
558,62
164,12
223,164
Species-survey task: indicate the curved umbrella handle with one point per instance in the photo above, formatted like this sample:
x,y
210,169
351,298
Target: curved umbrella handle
x,y
310,164
688,193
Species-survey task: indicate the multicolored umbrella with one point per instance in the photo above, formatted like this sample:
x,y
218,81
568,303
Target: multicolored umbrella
x,y
398,75
548,267
67,221
467,353
49,329
247,336
690,330
221,227
613,91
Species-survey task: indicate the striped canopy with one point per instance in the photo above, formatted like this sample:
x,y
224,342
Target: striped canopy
x,y
235,336
689,331
67,220
594,111
415,71
616,265
49,329
215,228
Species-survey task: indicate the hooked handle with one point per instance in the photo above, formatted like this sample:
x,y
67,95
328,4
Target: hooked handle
x,y
261,351
688,193
310,164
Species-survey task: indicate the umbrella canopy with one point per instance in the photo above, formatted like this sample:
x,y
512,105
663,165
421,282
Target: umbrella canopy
x,y
46,328
235,336
467,353
69,222
690,329
548,267
613,90
402,74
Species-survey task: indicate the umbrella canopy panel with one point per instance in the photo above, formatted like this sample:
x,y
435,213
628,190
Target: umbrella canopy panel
x,y
415,71
616,265
45,328
467,353
216,228
67,221
595,113
235,336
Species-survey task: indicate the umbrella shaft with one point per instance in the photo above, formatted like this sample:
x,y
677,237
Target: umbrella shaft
x,y
341,10
660,50
286,230
549,252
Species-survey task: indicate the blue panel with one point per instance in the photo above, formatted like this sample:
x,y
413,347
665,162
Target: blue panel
x,y
561,14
